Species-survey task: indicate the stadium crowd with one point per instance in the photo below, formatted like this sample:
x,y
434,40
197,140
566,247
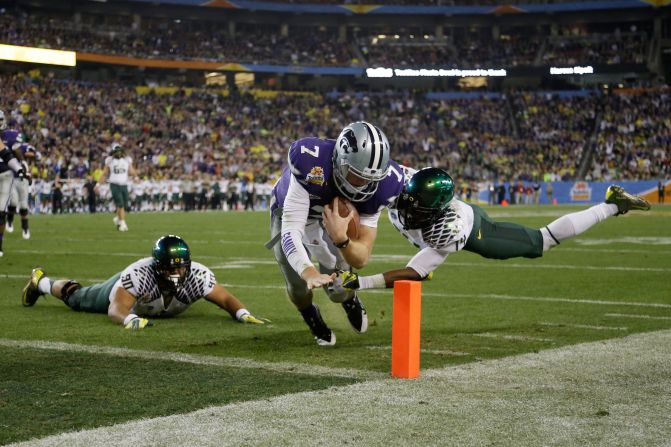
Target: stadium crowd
x,y
211,137
155,38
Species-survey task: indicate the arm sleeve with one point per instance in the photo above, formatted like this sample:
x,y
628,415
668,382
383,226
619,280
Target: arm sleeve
x,y
427,260
294,219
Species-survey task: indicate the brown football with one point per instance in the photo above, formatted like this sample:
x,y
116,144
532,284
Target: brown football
x,y
344,208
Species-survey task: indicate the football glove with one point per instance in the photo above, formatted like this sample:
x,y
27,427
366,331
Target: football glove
x,y
138,323
251,319
345,281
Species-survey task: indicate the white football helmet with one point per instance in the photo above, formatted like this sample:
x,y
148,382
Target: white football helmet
x,y
363,150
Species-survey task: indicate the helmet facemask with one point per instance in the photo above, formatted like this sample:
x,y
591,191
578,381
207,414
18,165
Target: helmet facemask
x,y
361,155
172,260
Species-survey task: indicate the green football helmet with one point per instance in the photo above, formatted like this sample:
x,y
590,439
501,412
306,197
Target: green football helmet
x,y
172,260
424,198
117,150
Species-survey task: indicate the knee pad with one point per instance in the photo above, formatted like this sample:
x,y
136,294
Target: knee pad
x,y
3,218
339,297
68,289
23,212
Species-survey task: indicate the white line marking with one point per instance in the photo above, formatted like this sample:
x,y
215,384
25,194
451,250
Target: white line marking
x,y
626,240
610,392
487,296
235,362
544,266
585,326
645,317
424,351
503,336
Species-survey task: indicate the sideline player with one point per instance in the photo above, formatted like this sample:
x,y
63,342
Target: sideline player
x,y
9,165
355,166
164,285
430,218
118,166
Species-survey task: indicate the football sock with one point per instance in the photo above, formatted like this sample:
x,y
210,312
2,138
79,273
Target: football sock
x,y
44,285
24,224
11,210
573,224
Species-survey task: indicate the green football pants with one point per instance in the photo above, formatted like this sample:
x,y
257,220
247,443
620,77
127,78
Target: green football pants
x,y
94,299
502,240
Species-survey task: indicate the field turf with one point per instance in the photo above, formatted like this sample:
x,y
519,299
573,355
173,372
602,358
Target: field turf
x,y
611,282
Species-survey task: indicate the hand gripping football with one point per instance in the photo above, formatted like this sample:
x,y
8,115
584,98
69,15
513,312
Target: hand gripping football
x,y
344,208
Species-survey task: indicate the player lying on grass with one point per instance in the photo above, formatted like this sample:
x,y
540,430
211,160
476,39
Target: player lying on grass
x,y
438,224
163,285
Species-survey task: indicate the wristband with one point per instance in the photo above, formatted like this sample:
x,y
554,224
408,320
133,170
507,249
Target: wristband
x,y
129,318
343,244
241,313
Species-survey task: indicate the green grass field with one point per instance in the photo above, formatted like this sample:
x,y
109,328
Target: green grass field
x,y
613,281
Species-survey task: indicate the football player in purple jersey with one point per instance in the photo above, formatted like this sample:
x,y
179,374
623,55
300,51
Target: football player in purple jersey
x,y
356,166
9,165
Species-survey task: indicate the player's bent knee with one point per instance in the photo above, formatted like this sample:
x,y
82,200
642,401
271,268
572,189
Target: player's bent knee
x,y
68,289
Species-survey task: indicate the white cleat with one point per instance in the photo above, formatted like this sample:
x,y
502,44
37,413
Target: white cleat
x,y
116,221
123,226
1,254
9,228
26,234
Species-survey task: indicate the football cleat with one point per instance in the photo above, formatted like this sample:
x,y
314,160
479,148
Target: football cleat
x,y
26,234
123,226
32,292
625,202
356,314
116,221
323,335
9,228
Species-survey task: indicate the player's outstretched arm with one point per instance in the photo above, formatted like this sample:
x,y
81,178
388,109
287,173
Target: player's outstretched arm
x,y
120,308
350,281
227,301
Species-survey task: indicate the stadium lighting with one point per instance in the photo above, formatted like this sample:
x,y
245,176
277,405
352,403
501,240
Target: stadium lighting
x,y
572,70
38,55
433,72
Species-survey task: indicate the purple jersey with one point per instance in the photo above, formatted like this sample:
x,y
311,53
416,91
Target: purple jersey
x,y
311,163
12,139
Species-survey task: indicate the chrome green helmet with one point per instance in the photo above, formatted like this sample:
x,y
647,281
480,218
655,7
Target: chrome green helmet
x,y
424,198
172,260
117,150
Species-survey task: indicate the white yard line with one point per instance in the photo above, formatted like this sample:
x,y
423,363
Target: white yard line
x,y
424,351
504,336
609,393
282,367
644,317
585,326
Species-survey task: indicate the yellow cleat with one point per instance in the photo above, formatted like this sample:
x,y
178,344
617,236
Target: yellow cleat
x,y
32,292
625,202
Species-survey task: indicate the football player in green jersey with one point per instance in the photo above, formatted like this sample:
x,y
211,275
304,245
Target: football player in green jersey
x,y
162,285
429,216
